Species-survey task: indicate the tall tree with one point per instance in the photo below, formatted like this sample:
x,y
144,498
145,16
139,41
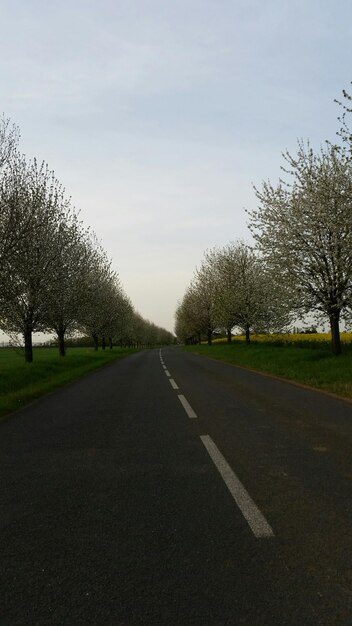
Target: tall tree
x,y
303,228
41,211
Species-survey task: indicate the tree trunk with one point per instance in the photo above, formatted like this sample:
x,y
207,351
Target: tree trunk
x,y
209,333
229,335
103,343
96,342
28,348
61,338
335,333
248,339
199,338
110,343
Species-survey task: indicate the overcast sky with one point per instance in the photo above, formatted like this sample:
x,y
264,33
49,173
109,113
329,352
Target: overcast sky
x,y
159,115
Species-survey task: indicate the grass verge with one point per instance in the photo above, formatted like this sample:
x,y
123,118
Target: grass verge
x,y
21,382
315,367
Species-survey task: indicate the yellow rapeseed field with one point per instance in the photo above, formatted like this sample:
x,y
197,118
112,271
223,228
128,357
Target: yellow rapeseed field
x,y
291,338
303,357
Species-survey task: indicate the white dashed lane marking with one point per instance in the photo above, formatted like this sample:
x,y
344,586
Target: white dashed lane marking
x,y
248,508
187,407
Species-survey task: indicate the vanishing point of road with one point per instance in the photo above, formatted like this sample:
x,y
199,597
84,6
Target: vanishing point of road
x,y
171,489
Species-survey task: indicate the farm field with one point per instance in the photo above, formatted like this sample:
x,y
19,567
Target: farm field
x,y
304,358
21,382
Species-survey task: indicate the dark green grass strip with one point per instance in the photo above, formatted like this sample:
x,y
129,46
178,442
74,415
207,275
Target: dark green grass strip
x,y
21,382
315,367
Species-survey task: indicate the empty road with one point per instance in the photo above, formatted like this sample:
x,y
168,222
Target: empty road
x,y
170,489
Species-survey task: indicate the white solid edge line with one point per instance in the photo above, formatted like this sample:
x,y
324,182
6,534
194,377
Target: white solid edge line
x,y
173,384
187,407
167,373
249,509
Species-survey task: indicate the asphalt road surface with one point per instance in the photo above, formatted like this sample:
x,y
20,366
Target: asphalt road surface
x,y
170,489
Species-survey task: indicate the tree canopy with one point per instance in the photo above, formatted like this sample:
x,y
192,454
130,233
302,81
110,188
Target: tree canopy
x,y
303,229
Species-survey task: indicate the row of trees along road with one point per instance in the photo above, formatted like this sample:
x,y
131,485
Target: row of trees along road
x,y
54,274
302,261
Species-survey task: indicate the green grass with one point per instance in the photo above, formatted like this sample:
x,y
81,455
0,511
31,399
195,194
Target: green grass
x,y
312,366
21,382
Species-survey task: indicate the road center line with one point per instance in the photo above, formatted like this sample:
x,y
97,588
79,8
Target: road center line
x,y
249,509
187,407
167,373
173,384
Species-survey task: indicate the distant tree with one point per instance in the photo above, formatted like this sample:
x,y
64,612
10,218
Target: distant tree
x,y
164,337
150,334
123,323
137,338
218,269
100,285
246,296
194,315
119,315
226,291
303,229
185,329
144,333
203,294
154,335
